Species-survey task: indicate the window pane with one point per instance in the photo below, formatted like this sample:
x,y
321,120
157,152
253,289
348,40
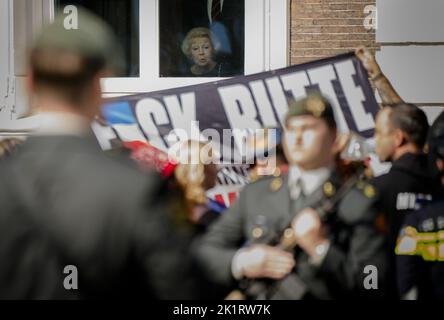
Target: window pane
x,y
123,17
201,38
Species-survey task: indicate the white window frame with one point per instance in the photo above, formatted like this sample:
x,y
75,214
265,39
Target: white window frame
x,y
25,18
5,63
266,48
270,16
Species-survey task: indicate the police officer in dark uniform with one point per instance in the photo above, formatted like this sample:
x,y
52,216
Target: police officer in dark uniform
x,y
331,254
420,246
400,135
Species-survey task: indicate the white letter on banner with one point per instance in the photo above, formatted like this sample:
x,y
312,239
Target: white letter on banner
x,y
296,84
182,112
263,103
323,76
183,115
240,110
129,132
278,97
104,135
144,109
363,119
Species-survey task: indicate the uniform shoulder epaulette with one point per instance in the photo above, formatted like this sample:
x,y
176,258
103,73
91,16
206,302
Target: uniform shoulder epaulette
x,y
274,181
329,188
367,189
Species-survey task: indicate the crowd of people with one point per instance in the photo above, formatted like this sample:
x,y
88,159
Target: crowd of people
x,y
136,223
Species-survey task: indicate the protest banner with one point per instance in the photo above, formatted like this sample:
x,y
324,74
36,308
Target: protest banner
x,y
225,112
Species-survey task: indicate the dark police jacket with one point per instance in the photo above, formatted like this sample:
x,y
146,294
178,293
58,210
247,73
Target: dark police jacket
x,y
65,203
420,253
404,188
355,242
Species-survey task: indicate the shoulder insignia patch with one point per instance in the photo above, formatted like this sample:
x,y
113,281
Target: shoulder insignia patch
x,y
276,184
369,191
329,189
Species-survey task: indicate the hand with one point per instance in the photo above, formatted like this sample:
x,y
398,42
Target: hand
x,y
308,230
369,62
262,261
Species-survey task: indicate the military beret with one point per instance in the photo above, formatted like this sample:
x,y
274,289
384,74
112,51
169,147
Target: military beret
x,y
89,38
314,105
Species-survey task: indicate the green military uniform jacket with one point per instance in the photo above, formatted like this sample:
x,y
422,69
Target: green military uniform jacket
x,y
355,241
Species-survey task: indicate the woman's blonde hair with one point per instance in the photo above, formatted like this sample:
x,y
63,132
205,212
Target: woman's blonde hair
x,y
199,32
190,175
7,146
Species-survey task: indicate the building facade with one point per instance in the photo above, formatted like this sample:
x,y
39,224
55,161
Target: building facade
x,y
270,34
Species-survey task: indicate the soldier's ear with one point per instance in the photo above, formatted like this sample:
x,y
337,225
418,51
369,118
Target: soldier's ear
x,y
340,142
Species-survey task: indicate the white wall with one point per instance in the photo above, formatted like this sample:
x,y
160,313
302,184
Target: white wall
x,y
410,20
411,35
417,72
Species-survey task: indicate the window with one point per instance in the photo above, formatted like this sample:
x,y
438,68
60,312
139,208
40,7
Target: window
x,y
265,44
140,25
201,38
123,17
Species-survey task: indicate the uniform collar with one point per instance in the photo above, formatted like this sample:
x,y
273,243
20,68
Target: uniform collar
x,y
61,123
413,163
310,180
408,158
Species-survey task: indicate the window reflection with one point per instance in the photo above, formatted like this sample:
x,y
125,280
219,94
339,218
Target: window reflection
x,y
201,38
123,17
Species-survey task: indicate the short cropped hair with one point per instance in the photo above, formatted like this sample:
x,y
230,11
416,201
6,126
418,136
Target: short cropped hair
x,y
412,121
67,73
199,32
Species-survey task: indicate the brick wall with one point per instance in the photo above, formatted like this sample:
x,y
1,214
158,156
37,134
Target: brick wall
x,y
323,28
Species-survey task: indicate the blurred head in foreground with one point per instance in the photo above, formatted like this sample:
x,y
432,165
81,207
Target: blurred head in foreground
x,y
66,65
196,171
310,133
191,171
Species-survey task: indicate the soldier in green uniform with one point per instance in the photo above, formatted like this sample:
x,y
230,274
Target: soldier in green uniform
x,y
333,253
